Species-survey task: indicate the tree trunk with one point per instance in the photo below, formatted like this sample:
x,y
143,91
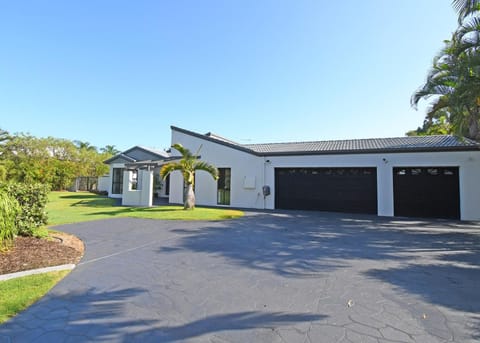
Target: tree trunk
x,y
473,128
189,198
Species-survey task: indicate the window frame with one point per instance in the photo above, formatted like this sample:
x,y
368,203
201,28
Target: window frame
x,y
224,186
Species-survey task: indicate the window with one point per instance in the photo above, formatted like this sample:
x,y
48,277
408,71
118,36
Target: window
x,y
223,186
117,181
135,180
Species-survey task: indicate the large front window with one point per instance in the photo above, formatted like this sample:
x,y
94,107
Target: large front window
x,y
117,181
223,186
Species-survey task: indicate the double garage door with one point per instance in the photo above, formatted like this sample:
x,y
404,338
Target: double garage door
x,y
418,192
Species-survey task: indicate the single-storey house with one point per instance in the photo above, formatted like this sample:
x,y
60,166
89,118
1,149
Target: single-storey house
x,y
424,176
115,185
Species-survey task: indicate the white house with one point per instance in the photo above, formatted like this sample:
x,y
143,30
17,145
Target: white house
x,y
429,176
133,182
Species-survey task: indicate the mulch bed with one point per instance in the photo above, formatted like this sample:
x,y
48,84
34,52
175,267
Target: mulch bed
x,y
31,253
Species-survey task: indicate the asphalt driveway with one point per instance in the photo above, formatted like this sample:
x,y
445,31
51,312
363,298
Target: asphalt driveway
x,y
285,277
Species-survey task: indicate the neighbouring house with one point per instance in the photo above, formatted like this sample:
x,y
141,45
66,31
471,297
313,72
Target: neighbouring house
x,y
131,172
423,176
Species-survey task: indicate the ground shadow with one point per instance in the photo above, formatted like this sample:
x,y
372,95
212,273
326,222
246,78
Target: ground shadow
x,y
92,315
89,315
295,244
132,210
222,322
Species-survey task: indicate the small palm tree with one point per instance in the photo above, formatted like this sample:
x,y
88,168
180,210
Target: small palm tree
x,y
187,166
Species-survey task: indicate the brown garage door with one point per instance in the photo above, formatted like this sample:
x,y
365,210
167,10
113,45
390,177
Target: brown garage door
x,y
430,192
352,190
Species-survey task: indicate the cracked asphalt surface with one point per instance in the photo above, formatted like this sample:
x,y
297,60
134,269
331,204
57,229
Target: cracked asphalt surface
x,y
267,277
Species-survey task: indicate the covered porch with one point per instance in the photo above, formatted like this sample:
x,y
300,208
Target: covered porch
x,y
142,185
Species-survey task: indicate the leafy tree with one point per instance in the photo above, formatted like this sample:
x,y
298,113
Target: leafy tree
x,y
51,161
188,164
438,124
4,136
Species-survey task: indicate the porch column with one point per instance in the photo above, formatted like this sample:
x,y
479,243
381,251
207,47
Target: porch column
x,y
147,188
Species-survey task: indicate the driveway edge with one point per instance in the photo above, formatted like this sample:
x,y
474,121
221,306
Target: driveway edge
x,y
36,271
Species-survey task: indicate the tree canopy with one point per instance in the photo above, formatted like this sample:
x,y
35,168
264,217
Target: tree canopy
x,y
452,86
52,161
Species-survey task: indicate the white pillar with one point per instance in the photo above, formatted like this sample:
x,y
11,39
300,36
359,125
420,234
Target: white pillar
x,y
147,188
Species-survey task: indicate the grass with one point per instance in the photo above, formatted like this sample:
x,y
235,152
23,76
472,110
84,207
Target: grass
x,y
18,294
66,207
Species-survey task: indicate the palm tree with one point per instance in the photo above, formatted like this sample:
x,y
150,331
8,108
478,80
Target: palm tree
x,y
454,80
188,164
454,84
85,146
465,7
110,150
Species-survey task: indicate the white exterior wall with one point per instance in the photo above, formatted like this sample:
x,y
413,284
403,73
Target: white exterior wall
x,y
104,183
262,169
468,163
243,165
142,196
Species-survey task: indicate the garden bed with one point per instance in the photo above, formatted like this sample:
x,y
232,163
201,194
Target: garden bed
x,y
32,253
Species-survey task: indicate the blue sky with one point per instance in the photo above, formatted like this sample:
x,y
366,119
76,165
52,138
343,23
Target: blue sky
x,y
121,72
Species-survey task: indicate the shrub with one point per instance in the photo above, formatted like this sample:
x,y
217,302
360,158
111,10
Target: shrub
x,y
9,210
3,173
32,199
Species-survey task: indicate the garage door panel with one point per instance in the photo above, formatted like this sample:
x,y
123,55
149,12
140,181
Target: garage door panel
x,y
430,192
326,189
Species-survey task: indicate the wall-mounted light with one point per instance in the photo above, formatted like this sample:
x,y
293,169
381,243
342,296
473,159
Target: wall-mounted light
x,y
384,160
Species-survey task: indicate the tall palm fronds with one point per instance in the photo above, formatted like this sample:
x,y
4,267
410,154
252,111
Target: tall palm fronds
x,y
110,150
465,7
187,166
453,82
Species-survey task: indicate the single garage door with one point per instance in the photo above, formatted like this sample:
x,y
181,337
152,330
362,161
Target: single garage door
x,y
352,190
430,192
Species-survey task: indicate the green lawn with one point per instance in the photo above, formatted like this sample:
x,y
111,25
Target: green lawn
x,y
17,294
68,207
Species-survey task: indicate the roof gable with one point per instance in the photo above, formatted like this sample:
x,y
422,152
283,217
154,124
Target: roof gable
x,y
216,139
137,153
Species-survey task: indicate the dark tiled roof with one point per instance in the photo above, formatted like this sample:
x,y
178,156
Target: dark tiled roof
x,y
417,143
129,155
353,146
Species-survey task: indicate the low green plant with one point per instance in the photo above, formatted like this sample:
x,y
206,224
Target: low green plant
x,y
41,232
32,198
9,210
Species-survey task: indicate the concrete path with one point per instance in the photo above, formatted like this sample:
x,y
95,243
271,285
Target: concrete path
x,y
287,277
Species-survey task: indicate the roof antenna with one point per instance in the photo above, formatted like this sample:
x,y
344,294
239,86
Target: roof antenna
x,y
198,151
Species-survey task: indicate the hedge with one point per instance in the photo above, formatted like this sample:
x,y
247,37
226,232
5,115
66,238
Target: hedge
x,y
32,199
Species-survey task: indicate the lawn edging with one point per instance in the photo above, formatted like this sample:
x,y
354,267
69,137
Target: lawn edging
x,y
5,277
